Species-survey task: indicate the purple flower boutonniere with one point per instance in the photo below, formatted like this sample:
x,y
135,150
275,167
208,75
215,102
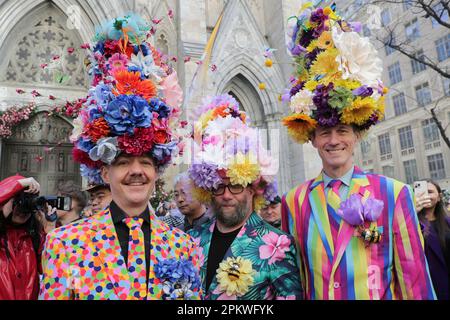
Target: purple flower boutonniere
x,y
356,211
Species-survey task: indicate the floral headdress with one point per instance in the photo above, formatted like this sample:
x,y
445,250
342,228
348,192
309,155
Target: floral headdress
x,y
134,101
226,147
337,75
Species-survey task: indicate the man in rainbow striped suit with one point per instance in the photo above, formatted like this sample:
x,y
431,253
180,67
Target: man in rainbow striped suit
x,y
357,233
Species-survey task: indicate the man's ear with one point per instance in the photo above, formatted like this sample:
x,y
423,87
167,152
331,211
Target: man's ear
x,y
105,174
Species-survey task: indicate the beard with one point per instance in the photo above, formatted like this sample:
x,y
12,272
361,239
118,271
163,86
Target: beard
x,y
232,219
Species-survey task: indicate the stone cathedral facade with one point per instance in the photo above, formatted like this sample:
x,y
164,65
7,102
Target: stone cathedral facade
x,y
33,32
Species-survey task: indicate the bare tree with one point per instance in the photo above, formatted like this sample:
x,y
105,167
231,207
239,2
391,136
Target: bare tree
x,y
440,12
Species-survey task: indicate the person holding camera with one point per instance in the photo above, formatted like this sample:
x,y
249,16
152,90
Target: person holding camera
x,y
22,235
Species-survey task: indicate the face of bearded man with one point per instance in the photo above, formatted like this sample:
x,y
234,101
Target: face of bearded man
x,y
232,210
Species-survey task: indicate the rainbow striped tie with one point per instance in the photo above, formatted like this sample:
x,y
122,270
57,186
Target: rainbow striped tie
x,y
333,203
136,258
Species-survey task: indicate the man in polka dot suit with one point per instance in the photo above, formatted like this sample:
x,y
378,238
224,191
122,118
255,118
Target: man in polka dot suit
x,y
124,252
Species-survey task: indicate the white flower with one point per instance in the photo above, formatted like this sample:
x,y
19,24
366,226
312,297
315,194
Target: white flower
x,y
77,129
105,150
302,102
358,59
148,66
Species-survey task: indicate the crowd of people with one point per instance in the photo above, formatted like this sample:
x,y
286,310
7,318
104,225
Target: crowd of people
x,y
229,234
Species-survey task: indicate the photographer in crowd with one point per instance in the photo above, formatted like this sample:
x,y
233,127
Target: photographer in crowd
x,y
78,202
22,235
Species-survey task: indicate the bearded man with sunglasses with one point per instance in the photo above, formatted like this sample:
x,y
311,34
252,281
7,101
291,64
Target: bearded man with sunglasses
x,y
244,258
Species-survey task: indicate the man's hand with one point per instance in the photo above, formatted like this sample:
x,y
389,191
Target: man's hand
x,y
30,185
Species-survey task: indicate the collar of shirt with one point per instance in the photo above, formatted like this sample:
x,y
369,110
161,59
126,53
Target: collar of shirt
x,y
346,178
118,214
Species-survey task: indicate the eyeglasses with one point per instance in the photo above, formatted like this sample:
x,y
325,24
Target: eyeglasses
x,y
233,188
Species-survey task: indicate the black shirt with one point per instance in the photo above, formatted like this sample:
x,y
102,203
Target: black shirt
x,y
123,231
220,242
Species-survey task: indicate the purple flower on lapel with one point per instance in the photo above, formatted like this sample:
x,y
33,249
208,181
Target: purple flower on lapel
x,y
372,209
355,212
352,210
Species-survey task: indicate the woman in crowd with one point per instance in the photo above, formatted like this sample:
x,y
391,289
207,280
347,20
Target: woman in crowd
x,y
435,225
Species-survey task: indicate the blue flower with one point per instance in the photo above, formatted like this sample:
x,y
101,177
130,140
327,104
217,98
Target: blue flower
x,y
100,47
85,145
143,48
179,278
92,175
126,113
102,94
158,106
95,113
163,152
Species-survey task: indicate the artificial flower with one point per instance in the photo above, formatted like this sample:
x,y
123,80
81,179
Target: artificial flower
x,y
325,64
127,112
205,176
97,129
243,169
202,195
259,202
158,106
359,111
300,126
130,83
137,144
172,91
118,62
105,150
77,129
357,57
235,276
340,97
302,102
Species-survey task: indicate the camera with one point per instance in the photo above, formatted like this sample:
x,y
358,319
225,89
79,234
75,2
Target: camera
x,y
30,203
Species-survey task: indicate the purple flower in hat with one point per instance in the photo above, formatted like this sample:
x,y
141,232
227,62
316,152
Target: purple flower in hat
x,y
320,98
372,209
319,18
286,97
311,57
326,116
271,191
306,38
297,50
295,89
351,210
205,175
363,91
127,112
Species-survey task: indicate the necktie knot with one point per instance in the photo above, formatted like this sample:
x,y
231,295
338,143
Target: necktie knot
x,y
133,222
335,185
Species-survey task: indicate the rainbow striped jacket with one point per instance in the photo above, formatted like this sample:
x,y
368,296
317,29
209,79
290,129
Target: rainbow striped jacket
x,y
345,268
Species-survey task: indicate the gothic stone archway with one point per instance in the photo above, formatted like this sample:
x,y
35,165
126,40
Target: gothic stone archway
x,y
40,148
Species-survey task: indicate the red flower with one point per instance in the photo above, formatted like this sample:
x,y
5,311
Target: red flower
x,y
139,143
83,158
113,46
97,129
161,131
